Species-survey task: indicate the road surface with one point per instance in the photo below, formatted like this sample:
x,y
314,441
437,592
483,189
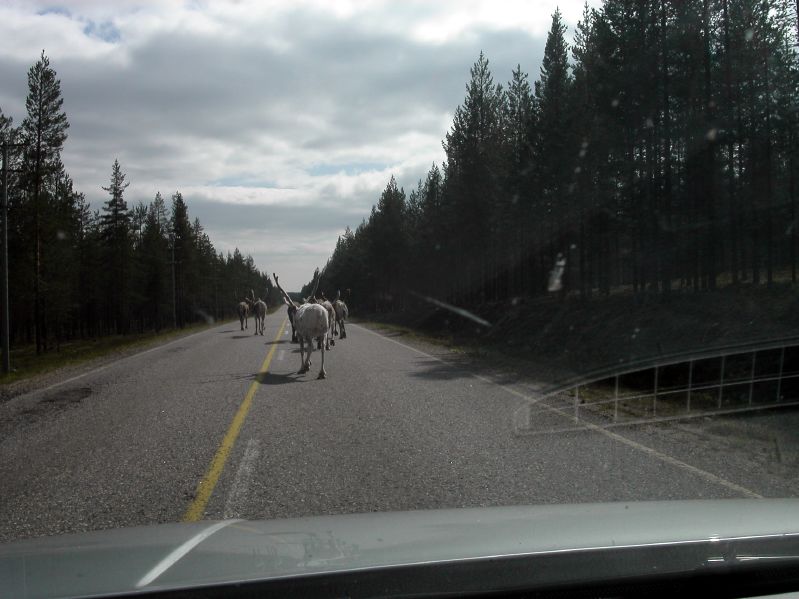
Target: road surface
x,y
218,425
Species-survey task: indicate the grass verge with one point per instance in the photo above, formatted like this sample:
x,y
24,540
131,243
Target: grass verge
x,y
25,364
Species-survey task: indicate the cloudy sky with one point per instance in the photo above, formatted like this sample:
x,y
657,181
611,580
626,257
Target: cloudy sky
x,y
279,122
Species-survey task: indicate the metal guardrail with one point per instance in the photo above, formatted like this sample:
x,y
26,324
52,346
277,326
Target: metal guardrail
x,y
613,409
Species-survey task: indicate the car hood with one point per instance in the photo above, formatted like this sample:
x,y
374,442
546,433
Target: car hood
x,y
176,556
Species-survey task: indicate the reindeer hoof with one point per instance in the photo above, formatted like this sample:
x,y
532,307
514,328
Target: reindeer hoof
x,y
322,375
332,342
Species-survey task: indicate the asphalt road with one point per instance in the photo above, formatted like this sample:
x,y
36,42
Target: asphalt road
x,y
196,429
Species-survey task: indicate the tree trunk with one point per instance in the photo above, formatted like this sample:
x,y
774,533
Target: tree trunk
x,y
709,174
768,175
732,208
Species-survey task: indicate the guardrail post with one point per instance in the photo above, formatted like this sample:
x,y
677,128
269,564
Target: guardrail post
x,y
779,378
655,396
752,377
616,401
721,380
690,384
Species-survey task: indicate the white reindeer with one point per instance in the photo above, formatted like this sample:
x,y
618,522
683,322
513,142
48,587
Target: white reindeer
x,y
328,339
310,323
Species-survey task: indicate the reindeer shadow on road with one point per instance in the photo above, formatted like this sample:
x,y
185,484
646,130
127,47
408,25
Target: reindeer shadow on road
x,y
277,342
271,378
241,336
228,331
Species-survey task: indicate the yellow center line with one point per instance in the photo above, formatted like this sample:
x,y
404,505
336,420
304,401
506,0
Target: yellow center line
x,y
207,484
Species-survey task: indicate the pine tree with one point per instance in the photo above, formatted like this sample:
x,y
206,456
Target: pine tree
x,y
515,213
389,242
116,230
555,149
155,258
474,170
183,240
44,132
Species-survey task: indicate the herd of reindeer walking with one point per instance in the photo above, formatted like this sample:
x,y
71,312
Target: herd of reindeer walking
x,y
316,320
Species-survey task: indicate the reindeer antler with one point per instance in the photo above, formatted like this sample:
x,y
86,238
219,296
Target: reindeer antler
x,y
317,278
285,295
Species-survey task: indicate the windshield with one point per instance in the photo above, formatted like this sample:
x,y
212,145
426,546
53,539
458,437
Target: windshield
x,y
270,260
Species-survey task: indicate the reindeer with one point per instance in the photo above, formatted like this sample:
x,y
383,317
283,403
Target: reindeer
x,y
244,311
258,308
310,323
327,306
341,315
292,311
331,317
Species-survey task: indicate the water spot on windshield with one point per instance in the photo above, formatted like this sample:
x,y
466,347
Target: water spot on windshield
x,y
556,274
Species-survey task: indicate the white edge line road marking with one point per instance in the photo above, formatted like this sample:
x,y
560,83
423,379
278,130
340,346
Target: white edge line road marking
x,y
281,354
104,367
708,476
242,479
171,559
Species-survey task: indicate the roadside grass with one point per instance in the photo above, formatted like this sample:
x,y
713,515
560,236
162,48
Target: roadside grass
x,y
26,364
469,348
597,398
398,330
552,340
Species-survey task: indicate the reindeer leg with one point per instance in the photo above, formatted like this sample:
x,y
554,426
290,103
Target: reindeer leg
x,y
322,373
310,351
302,358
